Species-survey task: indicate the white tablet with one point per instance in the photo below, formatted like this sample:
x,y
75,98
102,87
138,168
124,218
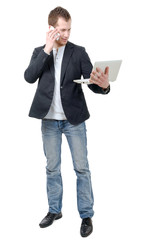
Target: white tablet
x,y
114,67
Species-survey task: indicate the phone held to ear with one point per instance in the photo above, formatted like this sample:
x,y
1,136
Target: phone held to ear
x,y
52,28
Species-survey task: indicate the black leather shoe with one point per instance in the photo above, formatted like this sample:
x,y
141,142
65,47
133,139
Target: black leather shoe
x,y
86,227
49,219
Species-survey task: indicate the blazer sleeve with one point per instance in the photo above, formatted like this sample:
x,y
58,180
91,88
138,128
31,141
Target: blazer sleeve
x,y
86,67
36,66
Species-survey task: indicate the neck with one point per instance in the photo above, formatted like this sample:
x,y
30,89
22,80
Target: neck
x,y
57,45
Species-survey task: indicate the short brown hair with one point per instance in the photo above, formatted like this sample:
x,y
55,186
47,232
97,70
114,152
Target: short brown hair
x,y
56,13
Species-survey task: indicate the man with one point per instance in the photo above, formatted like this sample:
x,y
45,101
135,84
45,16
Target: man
x,y
61,105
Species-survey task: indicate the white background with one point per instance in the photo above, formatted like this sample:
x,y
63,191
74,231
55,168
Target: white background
x,y
118,132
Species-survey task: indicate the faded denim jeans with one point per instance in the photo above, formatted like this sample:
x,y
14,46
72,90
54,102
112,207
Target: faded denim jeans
x,y
52,131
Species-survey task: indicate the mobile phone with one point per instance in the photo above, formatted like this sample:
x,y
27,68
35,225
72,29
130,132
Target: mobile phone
x,y
52,28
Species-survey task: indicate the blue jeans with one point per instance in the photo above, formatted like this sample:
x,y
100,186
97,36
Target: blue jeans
x,y
76,136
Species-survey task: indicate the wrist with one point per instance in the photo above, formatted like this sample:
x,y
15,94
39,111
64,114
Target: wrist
x,y
106,90
47,51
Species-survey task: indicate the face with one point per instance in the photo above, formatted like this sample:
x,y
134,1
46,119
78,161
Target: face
x,y
64,30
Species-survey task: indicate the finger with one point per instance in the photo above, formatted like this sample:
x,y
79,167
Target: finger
x,y
95,78
98,74
93,75
107,70
93,72
104,77
53,36
57,36
99,70
53,32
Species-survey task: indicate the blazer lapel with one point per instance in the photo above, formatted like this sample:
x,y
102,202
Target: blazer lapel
x,y
67,54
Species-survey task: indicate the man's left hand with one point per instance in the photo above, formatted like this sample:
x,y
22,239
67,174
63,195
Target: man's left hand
x,y
100,78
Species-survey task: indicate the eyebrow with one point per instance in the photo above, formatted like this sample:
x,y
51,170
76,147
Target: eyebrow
x,y
65,29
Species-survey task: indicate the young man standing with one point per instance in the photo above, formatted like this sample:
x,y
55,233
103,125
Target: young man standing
x,y
61,105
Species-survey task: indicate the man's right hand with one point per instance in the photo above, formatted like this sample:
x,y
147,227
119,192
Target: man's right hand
x,y
51,36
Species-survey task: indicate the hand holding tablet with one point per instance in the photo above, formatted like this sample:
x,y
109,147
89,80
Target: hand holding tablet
x,y
100,77
114,66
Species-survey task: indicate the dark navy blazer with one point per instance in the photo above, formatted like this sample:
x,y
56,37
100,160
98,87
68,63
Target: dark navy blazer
x,y
75,63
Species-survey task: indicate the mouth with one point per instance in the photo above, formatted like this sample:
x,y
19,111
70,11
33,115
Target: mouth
x,y
64,39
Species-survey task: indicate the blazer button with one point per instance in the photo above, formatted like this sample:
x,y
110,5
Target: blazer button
x,y
61,86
